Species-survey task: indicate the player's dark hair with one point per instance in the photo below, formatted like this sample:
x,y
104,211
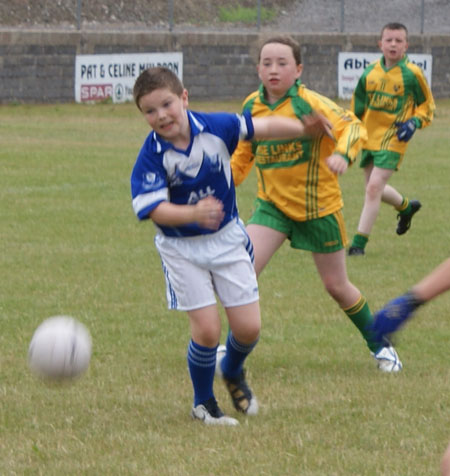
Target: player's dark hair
x,y
394,26
284,40
156,78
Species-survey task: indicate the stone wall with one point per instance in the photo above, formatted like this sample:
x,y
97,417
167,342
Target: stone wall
x,y
38,66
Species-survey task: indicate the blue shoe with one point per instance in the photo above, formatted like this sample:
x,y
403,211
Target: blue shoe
x,y
394,315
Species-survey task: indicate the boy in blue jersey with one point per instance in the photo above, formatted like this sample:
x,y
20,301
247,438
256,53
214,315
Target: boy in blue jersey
x,y
182,181
392,99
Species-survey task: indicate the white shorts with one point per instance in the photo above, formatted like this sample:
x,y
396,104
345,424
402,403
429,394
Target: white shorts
x,y
197,268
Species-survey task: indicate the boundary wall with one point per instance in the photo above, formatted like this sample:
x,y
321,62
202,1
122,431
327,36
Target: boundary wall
x,y
38,66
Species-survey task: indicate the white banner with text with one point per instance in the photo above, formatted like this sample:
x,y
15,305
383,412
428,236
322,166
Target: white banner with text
x,y
100,77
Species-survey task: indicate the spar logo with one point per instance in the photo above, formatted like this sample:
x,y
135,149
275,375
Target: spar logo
x,y
95,92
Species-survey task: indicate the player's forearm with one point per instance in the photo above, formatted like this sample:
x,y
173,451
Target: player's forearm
x,y
241,162
207,213
434,284
423,115
280,127
240,171
351,140
170,214
424,112
277,127
358,103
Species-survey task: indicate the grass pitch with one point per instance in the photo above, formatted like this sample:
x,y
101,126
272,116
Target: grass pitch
x,y
70,244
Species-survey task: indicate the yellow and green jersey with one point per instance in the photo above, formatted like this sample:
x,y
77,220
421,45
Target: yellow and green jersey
x,y
293,174
384,96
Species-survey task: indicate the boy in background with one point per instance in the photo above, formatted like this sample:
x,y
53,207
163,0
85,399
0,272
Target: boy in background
x,y
392,99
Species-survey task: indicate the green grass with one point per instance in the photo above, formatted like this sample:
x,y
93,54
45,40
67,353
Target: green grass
x,y
245,14
70,244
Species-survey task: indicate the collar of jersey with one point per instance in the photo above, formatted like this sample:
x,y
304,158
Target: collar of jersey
x,y
196,127
400,62
290,93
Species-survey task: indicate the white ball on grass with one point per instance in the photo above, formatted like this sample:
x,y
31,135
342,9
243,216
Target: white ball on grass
x,y
60,348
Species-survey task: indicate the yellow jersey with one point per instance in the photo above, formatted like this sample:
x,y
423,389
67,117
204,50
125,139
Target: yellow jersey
x,y
384,96
293,174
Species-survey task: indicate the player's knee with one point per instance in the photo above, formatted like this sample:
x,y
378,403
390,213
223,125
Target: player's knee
x,y
207,337
374,191
247,332
335,289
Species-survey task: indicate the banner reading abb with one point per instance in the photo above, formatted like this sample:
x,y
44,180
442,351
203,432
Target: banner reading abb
x,y
98,77
352,65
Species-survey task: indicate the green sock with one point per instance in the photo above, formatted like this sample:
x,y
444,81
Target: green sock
x,y
361,316
405,207
360,240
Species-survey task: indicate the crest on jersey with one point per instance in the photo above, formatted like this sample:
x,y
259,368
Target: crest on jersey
x,y
151,181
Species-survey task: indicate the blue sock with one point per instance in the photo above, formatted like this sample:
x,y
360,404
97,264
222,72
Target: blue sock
x,y
233,361
202,365
394,315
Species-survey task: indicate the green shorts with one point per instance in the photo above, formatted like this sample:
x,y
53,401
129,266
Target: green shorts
x,y
384,159
321,235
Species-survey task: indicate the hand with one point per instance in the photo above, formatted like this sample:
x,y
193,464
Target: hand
x,y
394,315
405,130
337,164
316,125
209,213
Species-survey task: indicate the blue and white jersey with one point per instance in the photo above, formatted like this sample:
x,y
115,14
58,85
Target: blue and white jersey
x,y
165,173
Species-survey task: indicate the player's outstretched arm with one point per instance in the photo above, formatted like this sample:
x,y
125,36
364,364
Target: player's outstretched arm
x,y
445,463
394,315
316,125
435,283
280,127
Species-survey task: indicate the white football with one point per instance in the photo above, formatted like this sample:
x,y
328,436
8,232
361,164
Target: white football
x,y
60,348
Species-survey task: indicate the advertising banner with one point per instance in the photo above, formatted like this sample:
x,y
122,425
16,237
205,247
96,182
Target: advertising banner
x,y
100,77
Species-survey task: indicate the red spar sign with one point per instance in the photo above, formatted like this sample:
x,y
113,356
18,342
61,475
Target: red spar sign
x,y
95,92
